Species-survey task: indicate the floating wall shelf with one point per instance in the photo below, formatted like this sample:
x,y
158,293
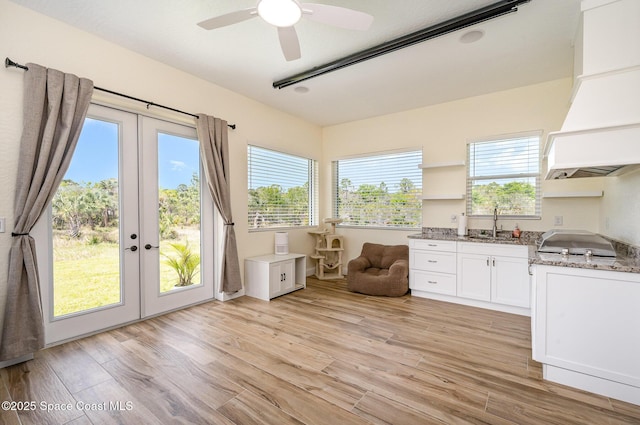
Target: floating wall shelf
x,y
442,164
584,194
444,197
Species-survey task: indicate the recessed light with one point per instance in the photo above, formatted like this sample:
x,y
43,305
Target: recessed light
x,y
471,36
301,89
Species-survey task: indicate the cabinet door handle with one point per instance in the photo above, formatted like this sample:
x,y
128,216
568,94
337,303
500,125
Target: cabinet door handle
x,y
285,276
281,279
432,261
432,244
433,282
487,261
494,261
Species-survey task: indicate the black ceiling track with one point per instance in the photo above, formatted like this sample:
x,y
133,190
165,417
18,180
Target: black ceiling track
x,y
471,18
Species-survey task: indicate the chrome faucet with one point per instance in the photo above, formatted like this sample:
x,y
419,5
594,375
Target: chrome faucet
x,y
495,222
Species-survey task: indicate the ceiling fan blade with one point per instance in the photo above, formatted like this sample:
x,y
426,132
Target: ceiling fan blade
x,y
337,16
229,19
289,43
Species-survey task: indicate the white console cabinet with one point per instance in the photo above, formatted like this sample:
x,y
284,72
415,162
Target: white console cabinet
x,y
269,276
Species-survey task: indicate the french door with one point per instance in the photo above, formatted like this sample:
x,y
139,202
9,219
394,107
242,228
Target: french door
x,y
130,230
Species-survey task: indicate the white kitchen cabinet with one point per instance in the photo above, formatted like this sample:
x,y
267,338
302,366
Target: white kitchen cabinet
x,y
474,276
269,276
495,273
585,329
510,283
493,276
432,267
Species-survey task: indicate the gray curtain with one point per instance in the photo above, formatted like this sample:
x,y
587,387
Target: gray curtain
x,y
214,149
55,105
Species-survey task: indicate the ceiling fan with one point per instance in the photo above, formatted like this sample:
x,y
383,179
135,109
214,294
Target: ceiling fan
x,y
284,14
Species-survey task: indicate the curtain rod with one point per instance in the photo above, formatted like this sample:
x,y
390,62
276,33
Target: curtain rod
x,y
8,62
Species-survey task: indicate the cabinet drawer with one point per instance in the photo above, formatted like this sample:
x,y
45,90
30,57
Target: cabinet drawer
x,y
433,245
433,261
432,282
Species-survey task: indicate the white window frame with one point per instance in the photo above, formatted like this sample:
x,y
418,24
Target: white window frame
x,y
518,175
414,167
312,176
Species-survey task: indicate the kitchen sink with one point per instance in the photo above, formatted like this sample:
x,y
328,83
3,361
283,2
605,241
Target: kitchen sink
x,y
488,237
499,238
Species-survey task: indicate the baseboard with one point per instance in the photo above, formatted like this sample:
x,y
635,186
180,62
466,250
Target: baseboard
x,y
11,362
594,384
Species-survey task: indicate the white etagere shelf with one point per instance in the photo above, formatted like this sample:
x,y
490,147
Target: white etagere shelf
x,y
441,164
581,194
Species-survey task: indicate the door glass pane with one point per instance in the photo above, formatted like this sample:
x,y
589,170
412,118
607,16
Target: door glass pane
x,y
179,215
86,237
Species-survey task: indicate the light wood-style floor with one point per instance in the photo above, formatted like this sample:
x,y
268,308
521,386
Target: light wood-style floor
x,y
318,356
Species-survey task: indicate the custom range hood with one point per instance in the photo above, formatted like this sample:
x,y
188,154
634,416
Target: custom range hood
x,y
601,133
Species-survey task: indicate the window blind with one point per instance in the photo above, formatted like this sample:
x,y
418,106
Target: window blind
x,y
381,190
504,174
282,189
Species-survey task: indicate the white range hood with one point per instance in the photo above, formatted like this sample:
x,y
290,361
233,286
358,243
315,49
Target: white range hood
x,y
601,133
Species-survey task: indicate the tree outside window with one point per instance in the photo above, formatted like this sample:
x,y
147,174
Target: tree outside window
x,y
504,174
381,190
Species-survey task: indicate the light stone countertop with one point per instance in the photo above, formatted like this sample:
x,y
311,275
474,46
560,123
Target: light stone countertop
x,y
627,259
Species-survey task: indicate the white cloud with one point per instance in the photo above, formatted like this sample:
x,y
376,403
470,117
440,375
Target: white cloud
x,y
177,165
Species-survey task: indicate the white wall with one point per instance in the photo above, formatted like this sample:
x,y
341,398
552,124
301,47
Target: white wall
x,y
620,218
26,36
442,131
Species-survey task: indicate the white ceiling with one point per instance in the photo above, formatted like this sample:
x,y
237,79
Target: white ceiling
x,y
526,47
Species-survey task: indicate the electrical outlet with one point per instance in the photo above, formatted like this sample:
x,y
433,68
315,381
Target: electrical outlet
x,y
557,220
454,218
2,224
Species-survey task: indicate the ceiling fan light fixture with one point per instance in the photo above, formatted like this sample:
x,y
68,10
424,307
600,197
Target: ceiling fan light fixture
x,y
281,13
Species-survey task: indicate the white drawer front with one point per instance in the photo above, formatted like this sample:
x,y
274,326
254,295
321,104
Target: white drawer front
x,y
433,245
433,261
432,282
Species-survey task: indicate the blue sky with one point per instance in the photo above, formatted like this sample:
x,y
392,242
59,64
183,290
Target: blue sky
x,y
178,159
96,156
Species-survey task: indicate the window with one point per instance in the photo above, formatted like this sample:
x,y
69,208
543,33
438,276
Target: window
x,y
504,174
281,189
381,190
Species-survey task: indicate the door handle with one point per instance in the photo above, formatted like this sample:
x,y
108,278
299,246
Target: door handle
x,y
133,236
133,248
149,246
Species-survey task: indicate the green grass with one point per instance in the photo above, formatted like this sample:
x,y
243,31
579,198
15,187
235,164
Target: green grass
x,y
87,275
